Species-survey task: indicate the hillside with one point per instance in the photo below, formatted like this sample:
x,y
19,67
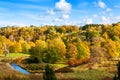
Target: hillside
x,y
94,42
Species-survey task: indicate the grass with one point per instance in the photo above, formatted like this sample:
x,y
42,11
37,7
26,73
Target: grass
x,y
16,55
88,75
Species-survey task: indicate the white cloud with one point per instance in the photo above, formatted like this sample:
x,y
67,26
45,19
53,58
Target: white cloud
x,y
62,18
61,11
51,12
78,23
57,20
118,17
65,16
106,20
95,16
63,6
108,9
102,4
88,20
10,23
117,6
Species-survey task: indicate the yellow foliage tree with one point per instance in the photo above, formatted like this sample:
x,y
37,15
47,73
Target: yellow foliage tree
x,y
58,43
72,51
111,48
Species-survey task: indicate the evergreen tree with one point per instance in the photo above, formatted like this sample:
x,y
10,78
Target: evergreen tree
x,y
49,74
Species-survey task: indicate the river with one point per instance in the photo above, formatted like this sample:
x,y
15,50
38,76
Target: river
x,y
18,68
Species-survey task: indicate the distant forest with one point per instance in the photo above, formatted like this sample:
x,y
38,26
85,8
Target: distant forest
x,y
51,44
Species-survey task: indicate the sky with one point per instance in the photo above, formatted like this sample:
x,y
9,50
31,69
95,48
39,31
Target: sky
x,y
58,12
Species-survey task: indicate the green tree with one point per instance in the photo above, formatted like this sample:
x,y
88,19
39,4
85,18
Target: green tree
x,y
36,54
81,51
25,47
52,55
59,44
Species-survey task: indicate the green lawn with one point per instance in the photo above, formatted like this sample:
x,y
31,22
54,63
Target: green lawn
x,y
15,55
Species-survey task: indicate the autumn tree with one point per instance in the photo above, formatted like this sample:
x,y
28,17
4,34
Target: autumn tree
x,y
72,51
111,48
59,44
52,55
38,51
25,47
83,51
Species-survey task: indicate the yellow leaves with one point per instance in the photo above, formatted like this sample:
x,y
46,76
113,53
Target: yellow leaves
x,y
87,50
58,43
31,44
40,44
72,50
105,35
4,40
111,48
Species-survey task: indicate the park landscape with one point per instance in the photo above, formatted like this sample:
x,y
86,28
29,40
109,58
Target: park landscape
x,y
59,40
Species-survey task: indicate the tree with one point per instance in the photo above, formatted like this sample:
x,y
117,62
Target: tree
x,y
36,54
111,48
81,51
59,44
25,47
49,74
15,47
72,51
52,55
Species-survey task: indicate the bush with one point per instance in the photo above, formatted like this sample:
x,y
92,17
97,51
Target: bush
x,y
35,67
76,62
30,60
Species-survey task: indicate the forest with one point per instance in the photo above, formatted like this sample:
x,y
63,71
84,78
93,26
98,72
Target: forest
x,y
66,44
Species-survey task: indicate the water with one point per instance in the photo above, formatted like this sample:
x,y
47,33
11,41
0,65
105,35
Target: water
x,y
18,68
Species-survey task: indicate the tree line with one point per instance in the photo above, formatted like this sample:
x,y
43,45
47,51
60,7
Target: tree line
x,y
92,42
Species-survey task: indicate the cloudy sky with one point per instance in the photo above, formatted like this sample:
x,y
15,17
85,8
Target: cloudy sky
x,y
58,12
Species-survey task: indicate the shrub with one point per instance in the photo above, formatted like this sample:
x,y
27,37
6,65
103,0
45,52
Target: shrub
x,y
76,62
31,60
35,67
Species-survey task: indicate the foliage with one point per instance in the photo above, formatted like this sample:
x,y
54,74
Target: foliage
x,y
69,41
76,62
36,54
52,55
25,47
49,74
72,51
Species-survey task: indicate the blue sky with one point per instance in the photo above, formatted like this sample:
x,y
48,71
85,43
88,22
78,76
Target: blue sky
x,y
58,12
